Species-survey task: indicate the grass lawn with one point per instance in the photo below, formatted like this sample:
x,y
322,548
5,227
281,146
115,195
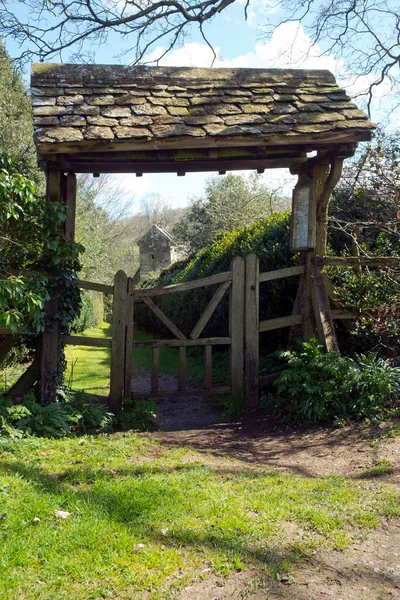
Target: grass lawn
x,y
146,519
89,368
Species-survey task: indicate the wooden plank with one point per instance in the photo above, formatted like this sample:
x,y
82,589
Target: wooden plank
x,y
281,273
217,341
6,345
70,200
95,287
175,166
185,286
19,331
163,318
27,380
224,389
78,340
280,322
322,311
251,331
129,338
347,314
117,376
354,261
207,367
209,311
182,369
236,326
155,370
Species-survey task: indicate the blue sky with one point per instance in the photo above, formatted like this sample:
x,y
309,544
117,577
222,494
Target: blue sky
x,y
239,44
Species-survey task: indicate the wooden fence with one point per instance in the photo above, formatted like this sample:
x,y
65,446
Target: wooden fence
x,y
242,283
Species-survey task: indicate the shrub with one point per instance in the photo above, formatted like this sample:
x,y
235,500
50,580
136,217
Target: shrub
x,y
86,317
138,415
31,418
86,416
316,386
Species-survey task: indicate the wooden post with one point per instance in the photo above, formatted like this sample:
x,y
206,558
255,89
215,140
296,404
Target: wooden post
x,y
155,370
119,326
208,367
129,338
48,343
251,330
323,313
182,369
70,200
236,326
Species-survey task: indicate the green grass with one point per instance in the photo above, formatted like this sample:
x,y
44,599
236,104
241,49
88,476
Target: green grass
x,y
10,375
189,511
88,368
382,467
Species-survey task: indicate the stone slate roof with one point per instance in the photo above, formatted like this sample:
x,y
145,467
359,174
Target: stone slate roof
x,y
84,103
157,228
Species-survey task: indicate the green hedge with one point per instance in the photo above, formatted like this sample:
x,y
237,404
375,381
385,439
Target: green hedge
x,y
268,239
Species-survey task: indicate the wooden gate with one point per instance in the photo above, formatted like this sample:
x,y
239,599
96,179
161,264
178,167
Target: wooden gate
x,y
125,296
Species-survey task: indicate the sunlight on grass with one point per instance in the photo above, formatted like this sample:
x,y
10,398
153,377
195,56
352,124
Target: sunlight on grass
x,y
89,368
147,518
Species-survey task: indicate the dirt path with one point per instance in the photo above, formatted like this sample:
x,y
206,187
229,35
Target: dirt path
x,y
369,570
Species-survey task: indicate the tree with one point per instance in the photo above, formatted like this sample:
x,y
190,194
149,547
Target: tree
x,y
229,203
366,33
365,207
156,209
16,128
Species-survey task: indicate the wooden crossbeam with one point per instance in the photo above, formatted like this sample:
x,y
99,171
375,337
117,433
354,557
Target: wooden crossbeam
x,y
185,286
355,261
213,341
280,322
95,287
77,340
163,318
281,273
209,311
27,380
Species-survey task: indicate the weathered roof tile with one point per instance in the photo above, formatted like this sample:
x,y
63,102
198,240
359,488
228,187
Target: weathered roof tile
x,y
74,103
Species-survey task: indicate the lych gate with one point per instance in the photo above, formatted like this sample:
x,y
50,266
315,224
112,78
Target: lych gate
x,y
117,119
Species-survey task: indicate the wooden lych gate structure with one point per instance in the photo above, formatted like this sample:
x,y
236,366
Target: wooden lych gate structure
x,y
120,119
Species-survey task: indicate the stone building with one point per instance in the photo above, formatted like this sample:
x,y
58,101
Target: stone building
x,y
157,250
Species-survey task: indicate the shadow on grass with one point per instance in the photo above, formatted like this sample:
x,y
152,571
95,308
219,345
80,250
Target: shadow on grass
x,y
145,504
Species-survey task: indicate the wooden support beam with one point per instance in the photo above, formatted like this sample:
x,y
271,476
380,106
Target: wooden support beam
x,y
236,326
70,200
182,369
155,370
163,318
49,344
117,376
251,328
208,367
129,338
322,310
27,380
209,311
6,345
